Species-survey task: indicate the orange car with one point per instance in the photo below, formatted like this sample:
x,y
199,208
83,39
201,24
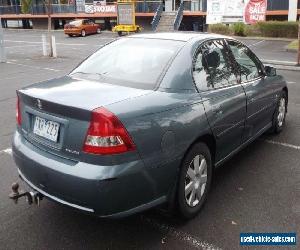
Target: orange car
x,y
81,27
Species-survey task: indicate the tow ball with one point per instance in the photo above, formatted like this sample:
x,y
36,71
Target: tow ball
x,y
32,197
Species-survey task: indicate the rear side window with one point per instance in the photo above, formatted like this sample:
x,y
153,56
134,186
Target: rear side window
x,y
212,67
248,66
131,62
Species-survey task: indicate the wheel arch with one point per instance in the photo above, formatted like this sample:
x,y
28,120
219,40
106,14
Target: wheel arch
x,y
285,89
209,140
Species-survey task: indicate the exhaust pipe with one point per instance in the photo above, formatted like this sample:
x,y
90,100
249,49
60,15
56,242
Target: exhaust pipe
x,y
32,197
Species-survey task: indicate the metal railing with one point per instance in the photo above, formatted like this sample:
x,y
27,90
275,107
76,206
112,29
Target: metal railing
x,y
35,9
157,16
193,6
12,9
55,8
38,9
146,6
63,8
179,16
277,5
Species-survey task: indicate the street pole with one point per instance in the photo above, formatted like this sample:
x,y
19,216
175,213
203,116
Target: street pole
x,y
298,61
49,29
2,48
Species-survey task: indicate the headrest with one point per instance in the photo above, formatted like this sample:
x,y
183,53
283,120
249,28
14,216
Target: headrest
x,y
210,59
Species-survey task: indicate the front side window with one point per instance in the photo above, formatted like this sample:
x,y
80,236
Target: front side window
x,y
247,64
212,66
85,22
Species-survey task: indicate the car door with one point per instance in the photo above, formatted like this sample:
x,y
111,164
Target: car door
x,y
92,26
86,26
259,92
223,97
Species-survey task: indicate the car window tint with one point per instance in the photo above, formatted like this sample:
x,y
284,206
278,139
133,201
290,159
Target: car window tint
x,y
246,62
201,76
134,62
76,23
213,67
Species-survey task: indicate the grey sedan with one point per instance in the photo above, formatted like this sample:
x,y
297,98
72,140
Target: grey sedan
x,y
144,121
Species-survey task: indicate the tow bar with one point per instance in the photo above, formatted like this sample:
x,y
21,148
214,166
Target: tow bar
x,y
32,197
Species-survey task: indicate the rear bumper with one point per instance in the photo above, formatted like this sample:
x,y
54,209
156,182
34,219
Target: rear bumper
x,y
106,191
72,31
22,176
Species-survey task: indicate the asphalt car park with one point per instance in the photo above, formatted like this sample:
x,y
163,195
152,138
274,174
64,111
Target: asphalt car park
x,y
256,191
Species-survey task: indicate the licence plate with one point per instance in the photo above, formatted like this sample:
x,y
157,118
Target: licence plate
x,y
46,129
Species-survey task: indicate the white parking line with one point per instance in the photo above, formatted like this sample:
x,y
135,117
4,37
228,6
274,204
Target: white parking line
x,y
269,61
6,151
283,144
20,46
255,44
185,237
34,67
58,43
30,42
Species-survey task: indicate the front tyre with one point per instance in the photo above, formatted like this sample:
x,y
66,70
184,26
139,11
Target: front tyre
x,y
194,180
280,114
98,31
83,34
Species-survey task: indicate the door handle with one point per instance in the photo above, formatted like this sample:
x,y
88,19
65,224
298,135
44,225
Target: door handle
x,y
217,110
251,99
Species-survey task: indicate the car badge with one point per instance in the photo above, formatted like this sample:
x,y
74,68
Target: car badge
x,y
39,104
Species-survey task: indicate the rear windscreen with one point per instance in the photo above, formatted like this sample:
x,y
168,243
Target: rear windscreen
x,y
132,62
76,23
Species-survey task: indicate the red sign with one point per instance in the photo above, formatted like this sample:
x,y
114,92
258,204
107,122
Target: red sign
x,y
255,11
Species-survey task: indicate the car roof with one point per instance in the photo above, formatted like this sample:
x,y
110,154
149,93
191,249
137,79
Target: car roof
x,y
178,36
80,19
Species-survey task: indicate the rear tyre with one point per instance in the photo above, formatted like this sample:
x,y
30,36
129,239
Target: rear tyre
x,y
280,114
83,34
194,180
98,31
70,35
120,33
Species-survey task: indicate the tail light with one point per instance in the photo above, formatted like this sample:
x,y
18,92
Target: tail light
x,y
106,134
18,112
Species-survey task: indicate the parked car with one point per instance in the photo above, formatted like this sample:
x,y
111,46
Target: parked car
x,y
82,27
144,121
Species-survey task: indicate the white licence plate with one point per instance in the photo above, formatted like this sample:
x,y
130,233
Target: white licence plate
x,y
46,129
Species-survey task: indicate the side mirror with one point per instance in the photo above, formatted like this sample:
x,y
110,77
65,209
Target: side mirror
x,y
270,71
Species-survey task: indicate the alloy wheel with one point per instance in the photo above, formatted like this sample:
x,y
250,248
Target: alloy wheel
x,y
281,112
195,180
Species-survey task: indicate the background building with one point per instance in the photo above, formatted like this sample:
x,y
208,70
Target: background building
x,y
194,14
